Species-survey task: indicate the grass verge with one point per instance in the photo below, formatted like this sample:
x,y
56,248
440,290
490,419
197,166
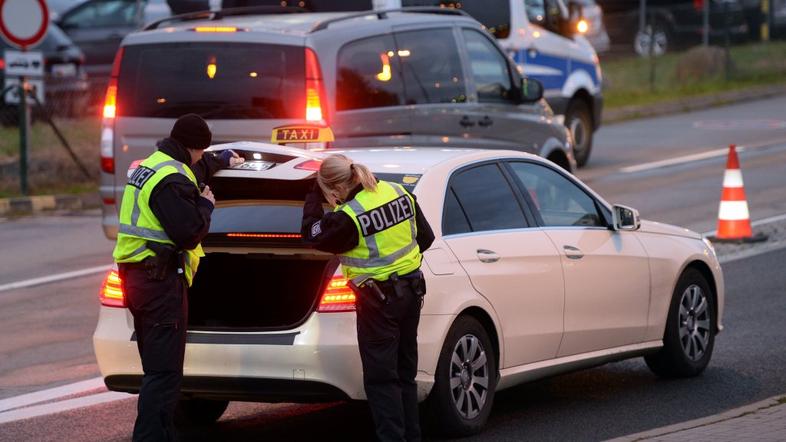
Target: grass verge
x,y
628,80
51,170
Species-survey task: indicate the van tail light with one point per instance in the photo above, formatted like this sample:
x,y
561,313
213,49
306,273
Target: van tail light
x,y
110,100
111,294
315,90
109,114
337,297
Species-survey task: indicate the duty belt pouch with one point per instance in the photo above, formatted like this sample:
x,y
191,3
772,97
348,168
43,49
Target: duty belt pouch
x,y
418,283
158,266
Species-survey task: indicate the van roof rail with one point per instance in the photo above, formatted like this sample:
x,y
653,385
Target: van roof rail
x,y
383,14
219,14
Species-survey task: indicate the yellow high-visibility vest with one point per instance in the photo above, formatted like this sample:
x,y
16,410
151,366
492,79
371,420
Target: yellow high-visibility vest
x,y
385,220
138,223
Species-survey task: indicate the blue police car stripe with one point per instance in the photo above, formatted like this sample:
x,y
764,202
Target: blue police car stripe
x,y
551,70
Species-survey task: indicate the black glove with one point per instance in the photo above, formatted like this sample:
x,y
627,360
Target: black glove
x,y
225,156
315,194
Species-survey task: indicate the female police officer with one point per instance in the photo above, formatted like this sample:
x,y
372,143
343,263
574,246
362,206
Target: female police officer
x,y
379,233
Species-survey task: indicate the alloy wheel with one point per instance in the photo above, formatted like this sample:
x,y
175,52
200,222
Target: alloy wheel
x,y
694,322
641,43
469,376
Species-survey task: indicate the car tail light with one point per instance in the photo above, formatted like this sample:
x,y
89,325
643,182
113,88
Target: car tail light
x,y
312,165
264,235
2,63
111,294
109,114
698,5
215,29
337,297
315,89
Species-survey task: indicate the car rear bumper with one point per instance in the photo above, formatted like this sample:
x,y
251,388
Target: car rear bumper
x,y
318,361
240,389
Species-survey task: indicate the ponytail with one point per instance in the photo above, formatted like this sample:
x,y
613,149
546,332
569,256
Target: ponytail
x,y
339,174
362,175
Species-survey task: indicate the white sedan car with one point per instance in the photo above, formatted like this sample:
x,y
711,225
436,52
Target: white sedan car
x,y
531,274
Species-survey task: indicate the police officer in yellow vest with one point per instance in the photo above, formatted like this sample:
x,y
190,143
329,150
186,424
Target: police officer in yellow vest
x,y
379,232
163,218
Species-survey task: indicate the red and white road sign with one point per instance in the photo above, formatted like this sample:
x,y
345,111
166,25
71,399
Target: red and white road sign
x,y
23,23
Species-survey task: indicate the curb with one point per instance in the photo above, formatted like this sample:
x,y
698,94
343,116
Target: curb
x,y
701,422
634,112
45,203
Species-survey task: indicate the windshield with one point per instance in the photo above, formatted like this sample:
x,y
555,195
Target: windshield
x,y
214,80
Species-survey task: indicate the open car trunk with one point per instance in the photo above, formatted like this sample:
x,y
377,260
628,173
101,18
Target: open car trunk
x,y
256,291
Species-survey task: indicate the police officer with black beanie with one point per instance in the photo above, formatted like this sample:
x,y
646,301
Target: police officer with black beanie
x,y
163,217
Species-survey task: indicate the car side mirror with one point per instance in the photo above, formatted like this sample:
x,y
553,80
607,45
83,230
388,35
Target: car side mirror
x,y
625,218
531,90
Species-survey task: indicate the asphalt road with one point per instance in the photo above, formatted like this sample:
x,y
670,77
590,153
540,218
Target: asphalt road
x,y
47,328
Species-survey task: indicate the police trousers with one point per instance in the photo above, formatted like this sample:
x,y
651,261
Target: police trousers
x,y
160,310
387,339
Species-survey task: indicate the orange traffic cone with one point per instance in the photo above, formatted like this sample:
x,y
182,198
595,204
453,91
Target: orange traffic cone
x,y
734,223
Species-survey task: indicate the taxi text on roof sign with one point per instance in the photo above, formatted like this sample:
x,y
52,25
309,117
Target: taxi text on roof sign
x,y
301,134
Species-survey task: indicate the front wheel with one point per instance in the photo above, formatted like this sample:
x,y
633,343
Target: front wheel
x,y
578,120
466,378
690,329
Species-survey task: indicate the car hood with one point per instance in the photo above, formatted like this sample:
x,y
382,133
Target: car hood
x,y
667,229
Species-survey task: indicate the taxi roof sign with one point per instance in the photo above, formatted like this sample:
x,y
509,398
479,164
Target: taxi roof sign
x,y
301,133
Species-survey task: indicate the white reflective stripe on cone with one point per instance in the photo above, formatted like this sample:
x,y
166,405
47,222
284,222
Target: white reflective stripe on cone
x,y
732,178
733,211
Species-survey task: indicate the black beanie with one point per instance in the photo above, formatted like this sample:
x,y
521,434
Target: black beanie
x,y
192,132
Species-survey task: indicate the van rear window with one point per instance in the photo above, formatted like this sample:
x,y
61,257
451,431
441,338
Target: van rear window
x,y
214,80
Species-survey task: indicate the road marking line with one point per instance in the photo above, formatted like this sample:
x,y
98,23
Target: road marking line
x,y
59,407
51,393
759,222
54,278
699,156
679,160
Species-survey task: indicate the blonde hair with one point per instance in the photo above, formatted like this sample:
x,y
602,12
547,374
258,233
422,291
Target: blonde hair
x,y
340,174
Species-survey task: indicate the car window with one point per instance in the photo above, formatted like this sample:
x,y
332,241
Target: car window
x,y
454,220
102,14
493,14
431,66
215,80
489,68
487,199
559,200
546,13
268,218
369,74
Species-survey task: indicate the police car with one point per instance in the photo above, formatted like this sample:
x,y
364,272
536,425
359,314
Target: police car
x,y
545,40
531,274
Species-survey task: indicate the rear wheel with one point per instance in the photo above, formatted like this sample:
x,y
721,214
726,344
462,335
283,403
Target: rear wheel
x,y
199,412
690,329
463,392
657,37
578,119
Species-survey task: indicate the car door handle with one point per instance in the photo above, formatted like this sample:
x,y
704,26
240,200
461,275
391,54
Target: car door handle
x,y
485,122
572,252
487,256
466,122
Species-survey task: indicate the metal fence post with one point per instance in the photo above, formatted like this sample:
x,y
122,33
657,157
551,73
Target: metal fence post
x,y
642,15
24,130
705,39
